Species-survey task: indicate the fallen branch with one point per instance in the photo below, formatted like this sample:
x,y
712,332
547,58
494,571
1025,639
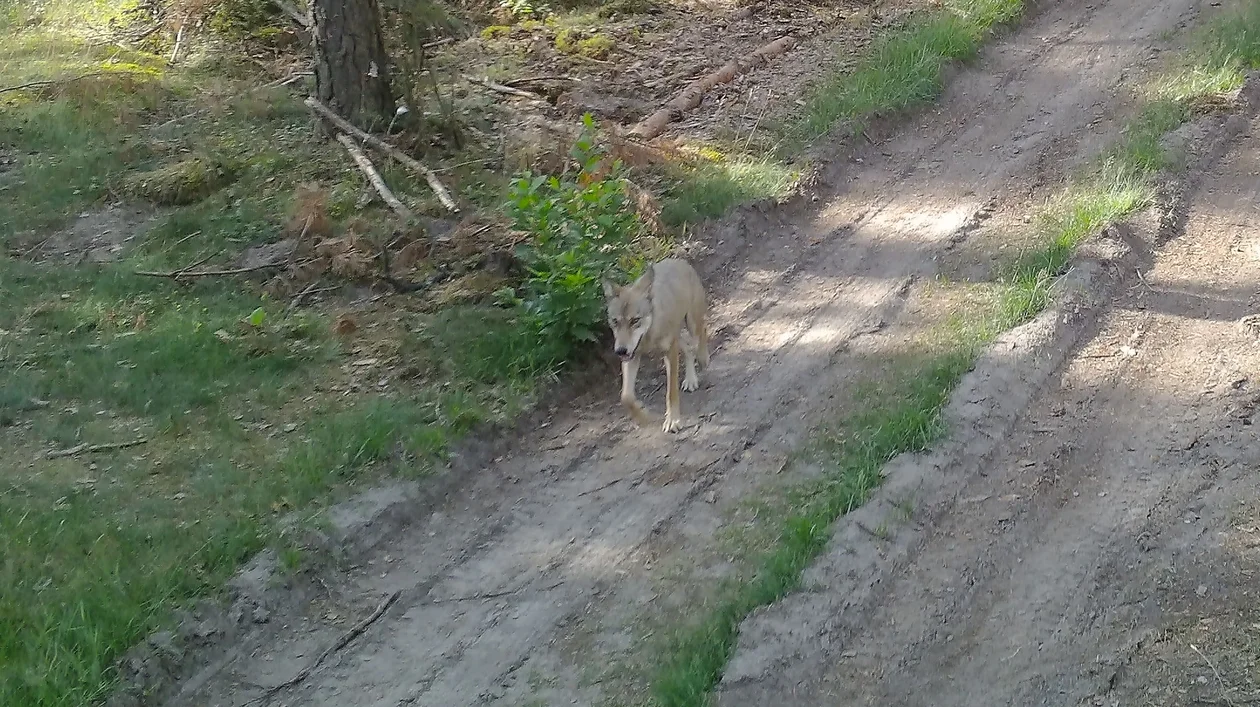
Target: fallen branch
x,y
536,79
297,15
145,34
633,479
340,643
53,82
185,272
504,89
179,43
410,162
365,165
291,78
184,240
93,448
1217,673
691,96
194,264
311,289
457,165
37,247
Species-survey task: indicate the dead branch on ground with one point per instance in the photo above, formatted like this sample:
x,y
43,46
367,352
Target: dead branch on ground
x,y
186,271
691,96
365,165
504,89
93,448
535,79
179,44
340,643
410,162
53,82
311,289
291,78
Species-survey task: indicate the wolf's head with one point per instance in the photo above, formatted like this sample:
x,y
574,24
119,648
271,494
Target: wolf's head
x,y
629,314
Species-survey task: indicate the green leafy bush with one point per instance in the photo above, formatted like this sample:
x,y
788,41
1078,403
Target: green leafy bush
x,y
581,229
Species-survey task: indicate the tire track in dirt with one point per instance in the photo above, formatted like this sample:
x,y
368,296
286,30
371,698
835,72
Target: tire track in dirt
x,y
1094,528
530,543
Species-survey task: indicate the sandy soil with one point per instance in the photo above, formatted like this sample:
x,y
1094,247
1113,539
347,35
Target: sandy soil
x,y
1099,514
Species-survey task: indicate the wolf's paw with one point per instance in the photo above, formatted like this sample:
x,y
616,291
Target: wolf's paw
x,y
672,424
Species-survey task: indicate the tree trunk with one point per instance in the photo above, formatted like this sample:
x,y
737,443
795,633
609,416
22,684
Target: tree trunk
x,y
351,67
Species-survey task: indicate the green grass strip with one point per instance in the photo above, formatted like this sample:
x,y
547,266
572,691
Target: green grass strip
x,y
903,70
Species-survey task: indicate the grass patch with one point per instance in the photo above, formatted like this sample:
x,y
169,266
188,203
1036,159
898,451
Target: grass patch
x,y
1113,192
903,70
249,425
185,182
713,187
246,425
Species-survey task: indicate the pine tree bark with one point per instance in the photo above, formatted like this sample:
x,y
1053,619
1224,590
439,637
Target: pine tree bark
x,y
351,66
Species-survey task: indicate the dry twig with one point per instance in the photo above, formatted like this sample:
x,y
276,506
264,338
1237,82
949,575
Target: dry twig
x,y
535,79
336,646
365,165
410,162
504,89
1225,688
179,44
310,289
93,448
53,82
187,272
691,96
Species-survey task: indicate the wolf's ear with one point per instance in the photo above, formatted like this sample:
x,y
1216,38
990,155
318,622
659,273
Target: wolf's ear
x,y
645,280
610,290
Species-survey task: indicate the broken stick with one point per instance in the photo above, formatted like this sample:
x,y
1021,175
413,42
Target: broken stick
x,y
411,163
53,82
504,89
535,79
336,646
185,272
374,177
93,448
691,96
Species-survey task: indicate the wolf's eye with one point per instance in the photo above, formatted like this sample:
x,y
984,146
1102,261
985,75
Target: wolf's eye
x,y
635,321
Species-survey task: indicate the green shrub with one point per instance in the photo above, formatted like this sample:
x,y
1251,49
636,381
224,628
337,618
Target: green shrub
x,y
581,229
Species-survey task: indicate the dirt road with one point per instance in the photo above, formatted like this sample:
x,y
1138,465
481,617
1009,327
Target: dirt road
x,y
1115,529
563,537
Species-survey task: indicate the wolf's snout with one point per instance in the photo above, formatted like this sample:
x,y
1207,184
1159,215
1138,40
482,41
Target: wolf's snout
x,y
621,351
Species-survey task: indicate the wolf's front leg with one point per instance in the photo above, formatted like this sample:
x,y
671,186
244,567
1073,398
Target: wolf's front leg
x,y
673,415
629,372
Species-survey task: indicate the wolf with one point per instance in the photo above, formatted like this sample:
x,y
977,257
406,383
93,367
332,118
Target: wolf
x,y
661,312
